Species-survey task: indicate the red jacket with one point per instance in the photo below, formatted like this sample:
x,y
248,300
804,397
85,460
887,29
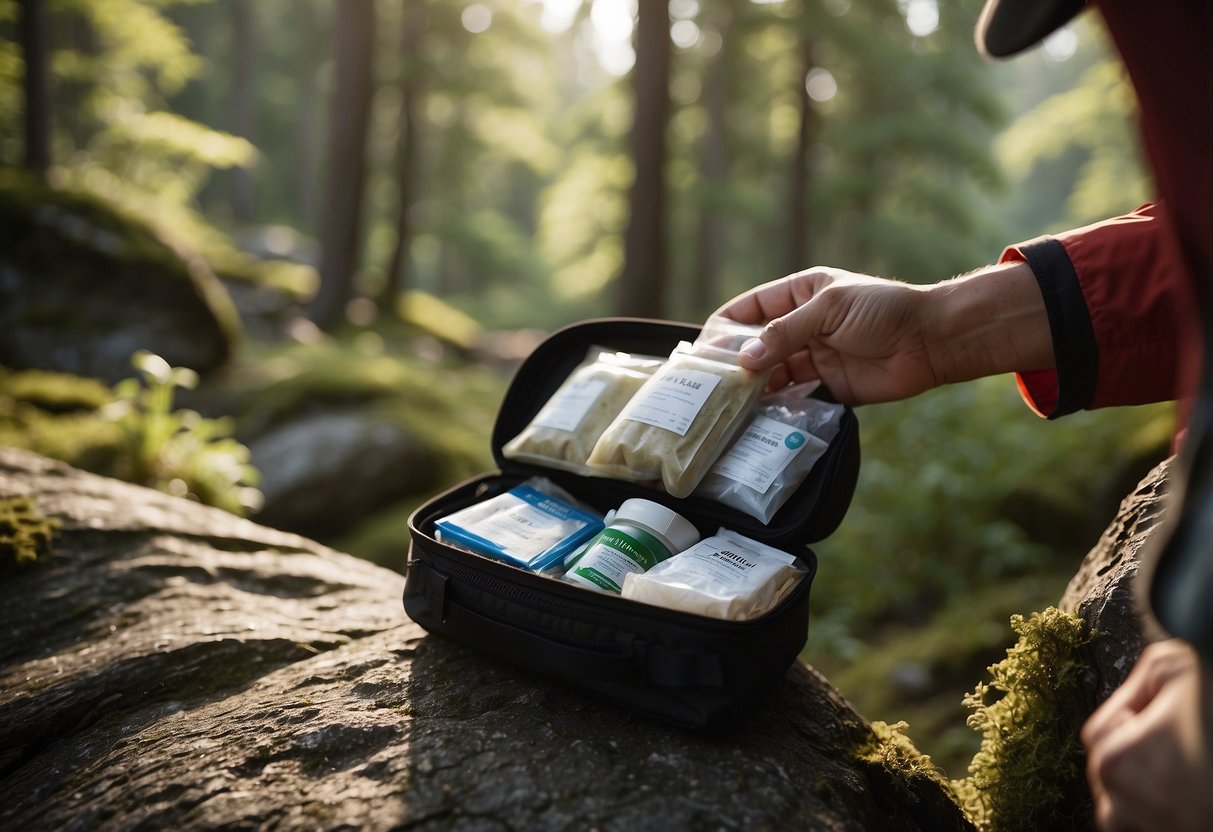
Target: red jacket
x,y
1127,298
1123,294
1122,313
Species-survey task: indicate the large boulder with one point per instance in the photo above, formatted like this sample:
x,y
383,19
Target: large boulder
x,y
324,471
172,666
82,287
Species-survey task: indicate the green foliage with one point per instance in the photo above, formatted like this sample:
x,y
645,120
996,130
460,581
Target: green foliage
x,y
57,415
54,392
1072,156
963,488
25,535
524,166
1028,774
131,433
114,65
1092,123
179,452
440,319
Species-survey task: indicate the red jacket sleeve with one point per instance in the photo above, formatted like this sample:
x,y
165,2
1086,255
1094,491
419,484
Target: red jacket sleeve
x,y
1121,312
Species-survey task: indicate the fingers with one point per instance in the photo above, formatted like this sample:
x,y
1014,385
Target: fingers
x,y
776,298
1158,663
1124,702
787,338
1144,747
1110,772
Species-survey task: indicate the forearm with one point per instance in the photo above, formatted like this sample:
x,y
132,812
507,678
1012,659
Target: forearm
x,y
989,322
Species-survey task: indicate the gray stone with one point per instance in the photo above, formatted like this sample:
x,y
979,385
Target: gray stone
x,y
172,666
324,471
1104,591
82,288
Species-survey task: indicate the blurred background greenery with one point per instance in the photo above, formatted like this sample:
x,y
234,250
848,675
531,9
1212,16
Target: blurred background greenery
x,y
386,202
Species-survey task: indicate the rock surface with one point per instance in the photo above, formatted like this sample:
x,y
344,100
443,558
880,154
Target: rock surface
x,y
1103,593
324,471
82,288
174,666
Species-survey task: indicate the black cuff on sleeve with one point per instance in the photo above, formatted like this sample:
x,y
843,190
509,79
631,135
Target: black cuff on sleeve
x,y
1074,347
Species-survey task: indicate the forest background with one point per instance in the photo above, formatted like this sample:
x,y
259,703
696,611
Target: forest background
x,y
433,184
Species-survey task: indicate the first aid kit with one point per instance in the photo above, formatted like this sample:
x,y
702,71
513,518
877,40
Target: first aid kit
x,y
526,562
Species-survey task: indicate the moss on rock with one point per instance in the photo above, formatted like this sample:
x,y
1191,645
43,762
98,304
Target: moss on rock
x,y
1028,774
25,535
86,284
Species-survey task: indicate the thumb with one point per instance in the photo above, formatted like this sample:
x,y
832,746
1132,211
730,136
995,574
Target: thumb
x,y
782,337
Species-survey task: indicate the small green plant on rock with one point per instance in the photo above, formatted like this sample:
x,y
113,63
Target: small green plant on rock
x,y
1028,774
179,452
25,535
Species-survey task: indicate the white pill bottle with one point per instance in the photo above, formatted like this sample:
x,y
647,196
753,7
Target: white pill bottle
x,y
641,535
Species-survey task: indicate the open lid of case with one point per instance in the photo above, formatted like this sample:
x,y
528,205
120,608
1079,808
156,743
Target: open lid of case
x,y
812,513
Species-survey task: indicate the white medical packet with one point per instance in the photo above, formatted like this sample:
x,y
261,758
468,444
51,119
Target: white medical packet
x,y
726,576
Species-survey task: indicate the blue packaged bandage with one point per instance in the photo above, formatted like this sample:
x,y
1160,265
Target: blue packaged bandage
x,y
522,526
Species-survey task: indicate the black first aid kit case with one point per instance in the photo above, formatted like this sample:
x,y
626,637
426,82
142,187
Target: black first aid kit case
x,y
684,667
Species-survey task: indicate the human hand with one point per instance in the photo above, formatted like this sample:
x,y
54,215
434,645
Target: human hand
x,y
869,339
861,336
1148,755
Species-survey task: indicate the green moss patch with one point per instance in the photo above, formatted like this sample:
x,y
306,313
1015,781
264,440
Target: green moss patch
x,y
25,535
1028,774
36,219
890,748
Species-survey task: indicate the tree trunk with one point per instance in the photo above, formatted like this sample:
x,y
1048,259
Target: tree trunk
x,y
243,102
642,284
37,87
796,241
408,152
308,148
340,232
711,236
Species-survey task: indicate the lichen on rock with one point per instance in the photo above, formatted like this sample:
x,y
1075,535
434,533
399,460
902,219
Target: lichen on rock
x,y
25,535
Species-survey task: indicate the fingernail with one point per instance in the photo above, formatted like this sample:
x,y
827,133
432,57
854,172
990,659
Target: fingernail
x,y
754,349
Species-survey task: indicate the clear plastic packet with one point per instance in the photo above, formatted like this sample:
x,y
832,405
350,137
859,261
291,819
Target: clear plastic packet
x,y
562,434
533,525
774,452
727,576
680,420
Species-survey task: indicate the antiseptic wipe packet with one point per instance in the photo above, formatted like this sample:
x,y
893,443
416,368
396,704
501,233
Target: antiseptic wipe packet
x,y
727,576
681,418
533,525
788,432
562,434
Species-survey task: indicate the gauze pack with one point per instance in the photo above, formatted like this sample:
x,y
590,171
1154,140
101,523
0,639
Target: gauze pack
x,y
725,576
563,433
681,418
773,454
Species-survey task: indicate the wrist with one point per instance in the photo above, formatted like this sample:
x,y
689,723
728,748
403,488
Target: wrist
x,y
985,323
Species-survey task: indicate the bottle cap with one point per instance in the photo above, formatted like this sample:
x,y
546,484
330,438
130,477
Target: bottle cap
x,y
679,532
